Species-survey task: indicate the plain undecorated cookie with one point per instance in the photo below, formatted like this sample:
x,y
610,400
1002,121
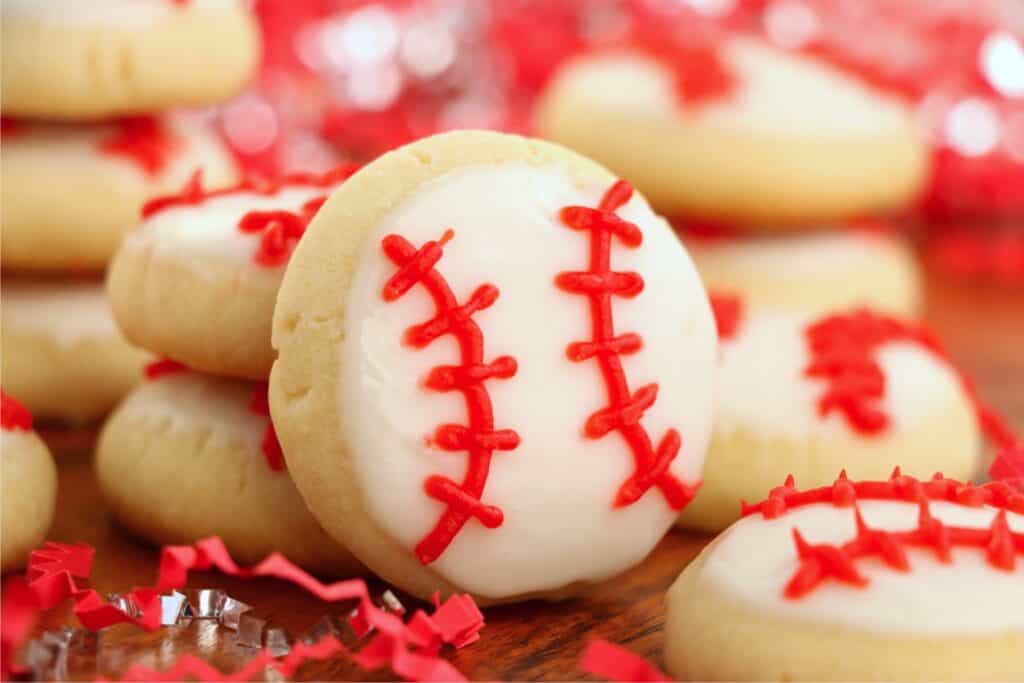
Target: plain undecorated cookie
x,y
768,422
29,483
91,59
812,272
197,280
749,608
796,141
367,400
62,354
182,459
70,193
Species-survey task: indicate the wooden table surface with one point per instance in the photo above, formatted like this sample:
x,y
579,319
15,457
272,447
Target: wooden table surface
x,y
982,325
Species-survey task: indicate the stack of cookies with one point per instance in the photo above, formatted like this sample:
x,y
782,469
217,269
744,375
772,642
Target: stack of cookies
x,y
195,284
86,141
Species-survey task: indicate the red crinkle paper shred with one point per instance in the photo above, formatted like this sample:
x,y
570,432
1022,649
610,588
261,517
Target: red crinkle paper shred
x,y
728,311
13,415
143,140
479,438
625,409
614,663
844,353
410,649
820,562
17,618
259,405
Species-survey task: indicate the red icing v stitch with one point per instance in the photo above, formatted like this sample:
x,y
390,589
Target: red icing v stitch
x,y
625,409
479,437
259,405
280,230
13,415
728,312
144,140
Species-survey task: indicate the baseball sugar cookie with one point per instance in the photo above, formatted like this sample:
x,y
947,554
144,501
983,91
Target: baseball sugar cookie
x,y
186,456
811,396
63,356
71,192
91,59
813,272
495,369
197,280
781,138
29,485
895,580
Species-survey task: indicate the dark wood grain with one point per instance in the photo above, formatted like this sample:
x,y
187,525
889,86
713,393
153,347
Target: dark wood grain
x,y
982,325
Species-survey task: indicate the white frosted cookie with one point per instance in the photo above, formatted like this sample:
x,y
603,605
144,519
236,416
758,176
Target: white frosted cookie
x,y
812,272
197,280
507,357
186,456
810,396
897,580
28,479
91,59
63,356
71,192
786,139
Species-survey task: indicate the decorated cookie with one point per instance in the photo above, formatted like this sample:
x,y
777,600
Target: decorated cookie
x,y
63,356
810,396
197,281
29,484
896,580
186,456
738,130
91,59
494,369
810,272
71,192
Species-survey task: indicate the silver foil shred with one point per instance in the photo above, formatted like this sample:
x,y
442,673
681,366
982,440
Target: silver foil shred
x,y
250,631
171,608
277,642
392,604
231,612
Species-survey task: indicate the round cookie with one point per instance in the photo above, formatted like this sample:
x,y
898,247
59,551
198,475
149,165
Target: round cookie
x,y
71,192
808,397
783,139
811,272
186,456
197,280
895,580
62,355
474,376
92,59
29,485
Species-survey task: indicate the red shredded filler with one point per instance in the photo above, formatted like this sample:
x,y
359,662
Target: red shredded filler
x,y
819,562
479,437
13,415
163,367
625,409
17,617
728,311
615,663
259,405
410,649
143,140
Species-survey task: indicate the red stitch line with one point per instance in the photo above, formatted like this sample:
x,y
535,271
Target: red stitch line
x,y
728,311
281,230
478,438
163,367
260,405
13,415
625,408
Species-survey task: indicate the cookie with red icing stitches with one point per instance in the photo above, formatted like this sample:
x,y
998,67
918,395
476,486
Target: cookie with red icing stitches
x,y
892,579
494,369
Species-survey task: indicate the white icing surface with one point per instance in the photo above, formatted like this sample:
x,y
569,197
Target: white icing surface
x,y
755,558
192,401
211,228
777,92
15,441
68,313
760,384
103,13
557,487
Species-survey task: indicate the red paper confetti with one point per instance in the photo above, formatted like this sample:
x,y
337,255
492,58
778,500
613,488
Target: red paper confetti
x,y
625,409
728,312
615,663
479,438
163,367
13,415
259,405
143,140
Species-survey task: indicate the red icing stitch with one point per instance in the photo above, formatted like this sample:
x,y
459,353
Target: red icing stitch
x,y
259,405
281,230
728,311
13,415
142,139
162,367
625,409
479,437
